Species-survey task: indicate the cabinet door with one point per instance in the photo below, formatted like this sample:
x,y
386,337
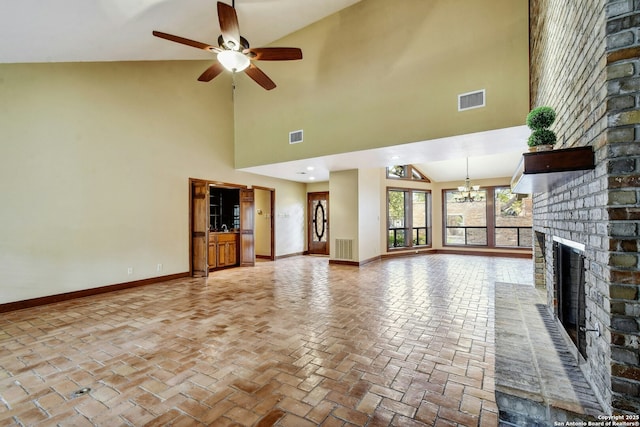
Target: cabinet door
x,y
231,255
222,254
212,255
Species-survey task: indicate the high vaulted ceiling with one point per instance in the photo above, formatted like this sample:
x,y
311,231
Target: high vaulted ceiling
x,y
35,31
120,30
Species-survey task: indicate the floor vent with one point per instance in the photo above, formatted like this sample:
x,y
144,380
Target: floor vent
x,y
295,137
344,249
470,100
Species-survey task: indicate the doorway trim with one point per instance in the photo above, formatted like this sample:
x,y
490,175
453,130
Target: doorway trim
x,y
199,225
272,192
310,222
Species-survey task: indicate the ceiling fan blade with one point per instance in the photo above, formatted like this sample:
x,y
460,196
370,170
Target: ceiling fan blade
x,y
274,53
182,40
211,72
260,77
229,25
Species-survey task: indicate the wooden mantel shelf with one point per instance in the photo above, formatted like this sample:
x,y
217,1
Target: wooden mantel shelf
x,y
539,172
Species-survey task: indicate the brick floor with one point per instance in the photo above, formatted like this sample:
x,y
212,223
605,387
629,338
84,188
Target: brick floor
x,y
296,342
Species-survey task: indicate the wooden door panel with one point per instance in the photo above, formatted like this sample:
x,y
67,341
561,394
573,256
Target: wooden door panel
x,y
199,228
318,223
247,243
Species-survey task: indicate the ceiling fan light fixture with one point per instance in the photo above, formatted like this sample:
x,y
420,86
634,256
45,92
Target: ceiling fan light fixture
x,y
233,60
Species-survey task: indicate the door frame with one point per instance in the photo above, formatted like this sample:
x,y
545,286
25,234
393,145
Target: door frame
x,y
310,221
272,192
208,183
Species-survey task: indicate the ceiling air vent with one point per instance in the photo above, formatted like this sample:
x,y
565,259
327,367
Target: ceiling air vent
x,y
295,137
470,100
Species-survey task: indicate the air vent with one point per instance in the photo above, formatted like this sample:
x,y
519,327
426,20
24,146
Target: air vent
x,y
344,249
295,137
470,100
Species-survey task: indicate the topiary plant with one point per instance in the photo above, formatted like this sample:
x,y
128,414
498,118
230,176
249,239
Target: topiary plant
x,y
541,137
541,118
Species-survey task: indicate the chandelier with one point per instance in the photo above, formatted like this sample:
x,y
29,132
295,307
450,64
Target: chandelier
x,y
468,192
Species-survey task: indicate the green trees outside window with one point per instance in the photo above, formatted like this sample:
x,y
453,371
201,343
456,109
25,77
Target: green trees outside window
x,y
408,218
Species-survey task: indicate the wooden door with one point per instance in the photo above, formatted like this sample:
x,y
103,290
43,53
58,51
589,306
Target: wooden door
x,y
199,228
247,249
318,223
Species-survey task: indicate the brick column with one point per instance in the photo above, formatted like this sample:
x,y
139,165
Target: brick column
x,y
623,210
585,64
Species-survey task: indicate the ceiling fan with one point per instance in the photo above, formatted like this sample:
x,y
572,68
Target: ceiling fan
x,y
233,51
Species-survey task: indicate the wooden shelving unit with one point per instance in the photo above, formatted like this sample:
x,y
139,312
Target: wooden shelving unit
x,y
539,172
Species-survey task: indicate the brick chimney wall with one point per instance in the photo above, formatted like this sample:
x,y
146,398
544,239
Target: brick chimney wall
x,y
585,63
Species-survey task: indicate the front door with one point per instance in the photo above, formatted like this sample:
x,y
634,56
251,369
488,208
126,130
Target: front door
x,y
318,223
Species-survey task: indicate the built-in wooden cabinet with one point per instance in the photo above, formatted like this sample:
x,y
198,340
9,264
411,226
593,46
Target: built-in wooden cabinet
x,y
221,226
223,250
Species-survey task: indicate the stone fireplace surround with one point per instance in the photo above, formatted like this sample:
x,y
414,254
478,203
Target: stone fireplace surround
x,y
585,63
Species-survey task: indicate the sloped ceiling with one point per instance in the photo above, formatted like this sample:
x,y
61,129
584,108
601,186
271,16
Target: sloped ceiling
x,y
36,31
120,30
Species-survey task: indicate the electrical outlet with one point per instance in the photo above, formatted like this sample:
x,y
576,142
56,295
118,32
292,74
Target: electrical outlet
x,y
130,271
159,268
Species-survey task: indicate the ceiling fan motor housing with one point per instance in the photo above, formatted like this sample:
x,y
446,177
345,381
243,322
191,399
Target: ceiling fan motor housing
x,y
244,44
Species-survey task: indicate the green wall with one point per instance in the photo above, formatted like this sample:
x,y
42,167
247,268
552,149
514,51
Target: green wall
x,y
383,73
95,161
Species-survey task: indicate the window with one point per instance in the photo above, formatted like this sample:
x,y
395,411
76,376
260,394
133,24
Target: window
x,y
408,218
513,218
466,218
408,172
491,217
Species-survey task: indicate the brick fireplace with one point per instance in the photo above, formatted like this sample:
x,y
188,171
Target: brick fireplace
x,y
585,63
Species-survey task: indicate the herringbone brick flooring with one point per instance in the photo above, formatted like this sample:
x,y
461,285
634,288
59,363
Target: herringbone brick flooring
x,y
296,342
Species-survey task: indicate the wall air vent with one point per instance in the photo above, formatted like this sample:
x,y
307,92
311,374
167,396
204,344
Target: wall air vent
x,y
295,137
344,249
470,100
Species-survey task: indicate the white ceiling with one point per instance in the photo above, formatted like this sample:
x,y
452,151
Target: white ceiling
x,y
492,154
120,30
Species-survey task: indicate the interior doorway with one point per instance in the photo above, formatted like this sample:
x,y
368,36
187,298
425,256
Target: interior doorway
x,y
318,223
265,223
220,237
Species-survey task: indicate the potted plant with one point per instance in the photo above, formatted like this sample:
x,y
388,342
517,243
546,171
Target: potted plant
x,y
539,120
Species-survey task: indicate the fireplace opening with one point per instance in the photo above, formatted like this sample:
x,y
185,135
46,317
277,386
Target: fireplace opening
x,y
570,292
